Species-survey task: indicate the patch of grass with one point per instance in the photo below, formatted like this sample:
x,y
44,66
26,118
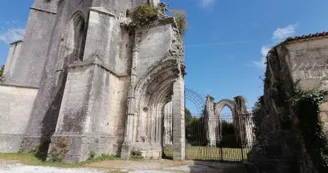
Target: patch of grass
x,y
104,157
30,159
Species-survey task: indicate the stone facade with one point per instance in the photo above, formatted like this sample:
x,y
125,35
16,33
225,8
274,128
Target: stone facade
x,y
280,147
241,120
87,82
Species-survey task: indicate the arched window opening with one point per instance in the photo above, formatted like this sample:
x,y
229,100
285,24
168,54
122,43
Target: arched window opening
x,y
228,134
75,39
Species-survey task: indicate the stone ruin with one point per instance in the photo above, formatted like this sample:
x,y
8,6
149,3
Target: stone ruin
x,y
300,61
83,81
241,120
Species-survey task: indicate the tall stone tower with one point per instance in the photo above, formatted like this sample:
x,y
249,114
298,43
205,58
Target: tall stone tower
x,y
83,80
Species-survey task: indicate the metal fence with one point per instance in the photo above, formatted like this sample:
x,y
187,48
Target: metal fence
x,y
217,139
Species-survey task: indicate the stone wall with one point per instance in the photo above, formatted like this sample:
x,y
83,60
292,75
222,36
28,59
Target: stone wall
x,y
294,63
15,110
12,59
91,68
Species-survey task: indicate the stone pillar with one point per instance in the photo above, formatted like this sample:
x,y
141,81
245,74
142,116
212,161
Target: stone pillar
x,y
28,67
179,134
12,58
323,117
211,121
242,121
130,119
84,122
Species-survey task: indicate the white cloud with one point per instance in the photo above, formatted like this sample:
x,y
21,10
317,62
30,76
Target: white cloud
x,y
262,61
277,36
12,35
282,33
207,3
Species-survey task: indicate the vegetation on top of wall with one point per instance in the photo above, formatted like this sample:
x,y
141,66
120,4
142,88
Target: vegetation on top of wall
x,y
181,20
143,15
306,107
1,70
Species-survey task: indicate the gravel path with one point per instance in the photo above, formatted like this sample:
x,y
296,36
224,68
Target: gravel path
x,y
19,168
127,167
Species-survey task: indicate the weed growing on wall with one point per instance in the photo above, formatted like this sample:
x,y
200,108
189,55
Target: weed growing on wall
x,y
136,154
306,106
143,15
181,20
59,150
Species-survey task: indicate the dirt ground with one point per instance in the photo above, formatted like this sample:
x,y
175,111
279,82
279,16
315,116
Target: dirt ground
x,y
120,166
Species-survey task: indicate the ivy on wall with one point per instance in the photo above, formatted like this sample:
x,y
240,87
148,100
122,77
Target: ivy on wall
x,y
257,117
306,106
1,70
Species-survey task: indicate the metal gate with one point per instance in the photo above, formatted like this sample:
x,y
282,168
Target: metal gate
x,y
230,145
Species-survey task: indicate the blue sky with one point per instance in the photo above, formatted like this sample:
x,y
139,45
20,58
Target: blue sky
x,y
225,42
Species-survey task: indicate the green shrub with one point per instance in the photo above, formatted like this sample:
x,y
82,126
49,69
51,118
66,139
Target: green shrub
x,y
306,107
136,154
92,155
143,15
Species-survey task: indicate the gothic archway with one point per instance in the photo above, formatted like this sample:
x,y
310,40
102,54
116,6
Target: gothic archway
x,y
151,93
224,103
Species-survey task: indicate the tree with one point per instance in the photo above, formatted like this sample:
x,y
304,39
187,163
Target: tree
x,y
1,70
195,129
188,116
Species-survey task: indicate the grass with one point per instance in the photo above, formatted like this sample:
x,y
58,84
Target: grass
x,y
31,159
192,153
212,153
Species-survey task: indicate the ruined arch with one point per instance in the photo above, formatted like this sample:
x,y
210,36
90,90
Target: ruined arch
x,y
223,103
241,120
144,130
152,93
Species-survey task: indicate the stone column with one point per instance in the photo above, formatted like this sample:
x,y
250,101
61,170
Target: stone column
x,y
211,121
179,135
129,124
